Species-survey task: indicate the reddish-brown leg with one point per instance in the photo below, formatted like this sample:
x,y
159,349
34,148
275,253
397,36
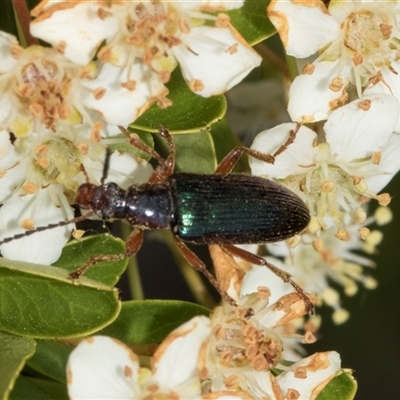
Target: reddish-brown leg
x,y
197,264
132,246
229,161
165,166
255,259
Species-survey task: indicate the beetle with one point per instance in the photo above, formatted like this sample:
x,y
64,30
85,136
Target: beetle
x,y
223,208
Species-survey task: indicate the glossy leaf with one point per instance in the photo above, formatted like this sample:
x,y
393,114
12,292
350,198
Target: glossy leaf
x,y
77,252
50,359
195,153
342,387
150,321
188,112
14,351
41,301
252,22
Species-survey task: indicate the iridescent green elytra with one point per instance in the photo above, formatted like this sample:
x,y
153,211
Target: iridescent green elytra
x,y
234,209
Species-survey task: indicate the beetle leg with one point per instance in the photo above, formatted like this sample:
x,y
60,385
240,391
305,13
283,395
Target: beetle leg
x,y
289,141
285,276
133,244
197,264
165,166
229,161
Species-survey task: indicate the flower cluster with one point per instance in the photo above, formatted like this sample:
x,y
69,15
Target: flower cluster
x,y
226,356
340,165
62,105
144,43
358,47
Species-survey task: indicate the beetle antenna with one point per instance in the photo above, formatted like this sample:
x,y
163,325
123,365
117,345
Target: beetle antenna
x,y
46,227
106,166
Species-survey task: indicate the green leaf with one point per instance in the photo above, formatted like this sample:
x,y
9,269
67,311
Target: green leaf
x,y
14,351
77,252
195,153
252,22
41,301
50,359
342,387
188,112
38,389
150,321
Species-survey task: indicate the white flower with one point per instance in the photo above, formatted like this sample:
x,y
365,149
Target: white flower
x,y
39,175
104,368
121,95
146,41
358,158
307,378
315,263
40,90
243,341
243,348
358,44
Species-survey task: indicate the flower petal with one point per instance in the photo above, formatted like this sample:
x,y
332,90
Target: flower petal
x,y
362,126
261,276
7,59
309,376
304,27
286,309
120,105
41,247
293,160
12,167
214,59
102,368
210,5
176,359
77,26
125,169
389,84
226,395
6,109
389,165
314,94
262,385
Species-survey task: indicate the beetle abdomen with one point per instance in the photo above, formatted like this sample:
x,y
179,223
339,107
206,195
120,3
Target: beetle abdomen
x,y
235,209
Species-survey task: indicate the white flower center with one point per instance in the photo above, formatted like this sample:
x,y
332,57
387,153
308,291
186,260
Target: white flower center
x,y
149,30
370,38
44,90
332,188
237,344
366,32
